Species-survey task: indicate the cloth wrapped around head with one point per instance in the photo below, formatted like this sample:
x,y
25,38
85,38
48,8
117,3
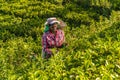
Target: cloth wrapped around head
x,y
51,21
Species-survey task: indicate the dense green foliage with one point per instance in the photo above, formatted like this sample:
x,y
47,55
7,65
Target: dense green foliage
x,y
92,34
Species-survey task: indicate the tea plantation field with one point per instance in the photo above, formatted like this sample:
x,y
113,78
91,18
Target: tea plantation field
x,y
92,36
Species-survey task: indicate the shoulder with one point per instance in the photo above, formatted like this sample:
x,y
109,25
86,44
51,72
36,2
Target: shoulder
x,y
45,34
61,31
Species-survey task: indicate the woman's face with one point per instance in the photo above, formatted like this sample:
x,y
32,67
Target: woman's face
x,y
53,28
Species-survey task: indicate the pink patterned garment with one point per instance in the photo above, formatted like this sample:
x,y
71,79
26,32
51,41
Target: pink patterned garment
x,y
50,40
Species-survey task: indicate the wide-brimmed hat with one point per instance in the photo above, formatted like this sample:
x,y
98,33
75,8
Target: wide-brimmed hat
x,y
51,21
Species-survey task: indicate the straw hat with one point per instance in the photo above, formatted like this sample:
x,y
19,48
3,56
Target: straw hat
x,y
51,21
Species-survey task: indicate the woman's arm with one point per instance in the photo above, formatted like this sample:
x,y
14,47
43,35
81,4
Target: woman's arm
x,y
60,38
45,48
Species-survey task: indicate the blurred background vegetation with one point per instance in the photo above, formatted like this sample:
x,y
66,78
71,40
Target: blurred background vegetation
x,y
92,34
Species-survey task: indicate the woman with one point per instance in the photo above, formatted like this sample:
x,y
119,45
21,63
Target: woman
x,y
52,37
